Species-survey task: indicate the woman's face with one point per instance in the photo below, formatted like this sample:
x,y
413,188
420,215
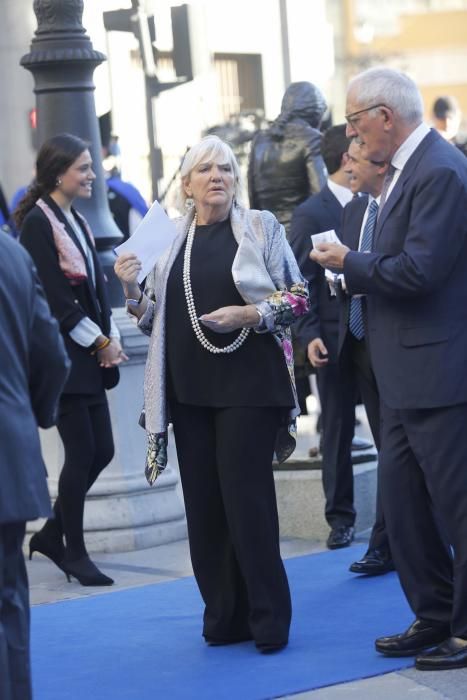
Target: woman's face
x,y
77,180
211,184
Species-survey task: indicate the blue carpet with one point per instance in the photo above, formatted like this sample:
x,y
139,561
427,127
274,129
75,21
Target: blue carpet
x,y
145,644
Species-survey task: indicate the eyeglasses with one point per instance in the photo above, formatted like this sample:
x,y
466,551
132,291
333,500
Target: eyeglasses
x,y
350,118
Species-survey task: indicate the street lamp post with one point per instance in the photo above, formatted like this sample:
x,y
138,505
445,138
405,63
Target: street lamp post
x,y
62,61
121,513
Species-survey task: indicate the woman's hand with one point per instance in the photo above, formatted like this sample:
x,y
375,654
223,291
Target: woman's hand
x,y
230,318
127,268
112,354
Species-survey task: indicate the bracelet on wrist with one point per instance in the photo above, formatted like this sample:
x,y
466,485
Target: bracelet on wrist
x,y
260,318
135,302
101,346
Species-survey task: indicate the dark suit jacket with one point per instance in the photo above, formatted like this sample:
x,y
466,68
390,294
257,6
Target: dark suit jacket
x,y
33,369
352,217
69,303
321,212
416,281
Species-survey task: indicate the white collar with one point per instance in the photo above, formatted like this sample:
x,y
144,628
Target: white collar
x,y
341,193
405,150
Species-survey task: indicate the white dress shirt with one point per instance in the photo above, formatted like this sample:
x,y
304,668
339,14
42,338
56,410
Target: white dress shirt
x,y
341,193
405,150
341,276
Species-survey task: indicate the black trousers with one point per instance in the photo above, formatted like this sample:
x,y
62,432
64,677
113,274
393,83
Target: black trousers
x,y
15,667
337,395
225,457
339,386
85,428
366,384
423,477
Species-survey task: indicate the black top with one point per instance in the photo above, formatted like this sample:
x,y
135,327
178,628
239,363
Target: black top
x,y
254,375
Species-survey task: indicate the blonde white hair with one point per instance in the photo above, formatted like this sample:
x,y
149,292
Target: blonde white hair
x,y
211,149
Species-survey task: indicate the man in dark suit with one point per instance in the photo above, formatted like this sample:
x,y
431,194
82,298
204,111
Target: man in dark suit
x,y
354,357
33,370
415,280
317,331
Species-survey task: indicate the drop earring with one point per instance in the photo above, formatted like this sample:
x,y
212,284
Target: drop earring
x,y
58,182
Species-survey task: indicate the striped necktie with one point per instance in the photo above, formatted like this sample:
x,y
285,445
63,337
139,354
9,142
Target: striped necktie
x,y
356,325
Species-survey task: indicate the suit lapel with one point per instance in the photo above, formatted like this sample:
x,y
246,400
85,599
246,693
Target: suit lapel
x,y
91,246
406,173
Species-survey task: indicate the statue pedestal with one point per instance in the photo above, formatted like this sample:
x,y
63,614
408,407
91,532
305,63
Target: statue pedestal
x,y
301,502
122,511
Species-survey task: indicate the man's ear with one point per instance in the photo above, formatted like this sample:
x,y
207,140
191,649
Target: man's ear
x,y
344,159
388,117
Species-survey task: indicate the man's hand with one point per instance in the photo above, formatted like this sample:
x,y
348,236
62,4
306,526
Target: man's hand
x,y
330,255
316,350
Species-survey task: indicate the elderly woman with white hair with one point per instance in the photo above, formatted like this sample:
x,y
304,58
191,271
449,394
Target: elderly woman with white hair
x,y
218,306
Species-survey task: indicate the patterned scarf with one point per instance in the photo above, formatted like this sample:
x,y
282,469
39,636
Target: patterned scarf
x,y
70,258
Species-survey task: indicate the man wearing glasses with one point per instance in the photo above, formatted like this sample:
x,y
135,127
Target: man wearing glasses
x,y
414,278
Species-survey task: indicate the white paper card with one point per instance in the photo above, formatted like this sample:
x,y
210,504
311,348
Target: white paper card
x,y
324,237
150,240
332,279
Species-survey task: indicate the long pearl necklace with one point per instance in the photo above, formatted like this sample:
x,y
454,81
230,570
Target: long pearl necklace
x,y
191,304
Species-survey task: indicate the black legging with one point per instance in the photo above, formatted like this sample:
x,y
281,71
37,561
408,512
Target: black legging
x,y
86,431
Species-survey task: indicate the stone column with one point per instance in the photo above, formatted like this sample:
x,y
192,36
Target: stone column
x,y
122,511
62,61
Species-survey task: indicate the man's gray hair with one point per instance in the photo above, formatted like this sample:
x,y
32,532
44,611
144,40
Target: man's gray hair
x,y
391,88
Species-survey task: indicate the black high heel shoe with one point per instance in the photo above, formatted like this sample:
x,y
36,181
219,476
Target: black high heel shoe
x,y
86,572
53,548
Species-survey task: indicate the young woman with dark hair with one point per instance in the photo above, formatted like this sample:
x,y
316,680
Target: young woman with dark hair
x,y
62,247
